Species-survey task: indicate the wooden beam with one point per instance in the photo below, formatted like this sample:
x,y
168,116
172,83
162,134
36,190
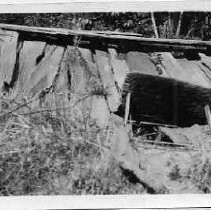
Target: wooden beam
x,y
157,124
108,39
127,107
208,116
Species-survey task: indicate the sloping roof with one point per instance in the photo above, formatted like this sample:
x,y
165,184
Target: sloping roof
x,y
137,50
38,54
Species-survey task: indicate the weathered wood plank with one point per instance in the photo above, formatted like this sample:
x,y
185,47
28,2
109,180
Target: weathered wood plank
x,y
174,69
78,70
107,77
194,73
28,59
8,55
127,108
140,62
109,39
176,138
119,66
125,155
43,74
208,115
205,60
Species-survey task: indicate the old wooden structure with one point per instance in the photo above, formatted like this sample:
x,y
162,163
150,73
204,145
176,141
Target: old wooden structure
x,y
162,82
35,60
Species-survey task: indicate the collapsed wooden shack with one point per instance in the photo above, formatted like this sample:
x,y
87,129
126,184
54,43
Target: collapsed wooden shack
x,y
169,81
33,58
165,100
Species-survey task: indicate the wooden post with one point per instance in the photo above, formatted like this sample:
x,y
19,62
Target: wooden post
x,y
208,115
127,107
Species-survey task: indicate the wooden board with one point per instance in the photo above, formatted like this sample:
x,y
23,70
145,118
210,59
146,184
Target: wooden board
x,y
123,42
43,74
119,66
140,62
28,60
107,78
195,74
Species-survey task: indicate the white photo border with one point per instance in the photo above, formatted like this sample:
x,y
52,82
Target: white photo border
x,y
104,201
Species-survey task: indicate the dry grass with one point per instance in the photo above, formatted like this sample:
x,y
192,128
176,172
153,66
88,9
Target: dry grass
x,y
59,151
200,172
54,150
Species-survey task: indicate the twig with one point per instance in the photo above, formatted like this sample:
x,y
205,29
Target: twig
x,y
17,108
162,143
100,145
158,124
57,109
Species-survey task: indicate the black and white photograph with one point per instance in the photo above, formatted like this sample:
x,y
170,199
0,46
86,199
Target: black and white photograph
x,y
105,103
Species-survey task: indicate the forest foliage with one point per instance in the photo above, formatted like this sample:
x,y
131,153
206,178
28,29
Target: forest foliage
x,y
193,25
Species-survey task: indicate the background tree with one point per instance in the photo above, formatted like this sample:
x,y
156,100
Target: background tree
x,y
187,25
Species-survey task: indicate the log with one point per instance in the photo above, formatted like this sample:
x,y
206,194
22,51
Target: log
x,y
208,115
105,40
